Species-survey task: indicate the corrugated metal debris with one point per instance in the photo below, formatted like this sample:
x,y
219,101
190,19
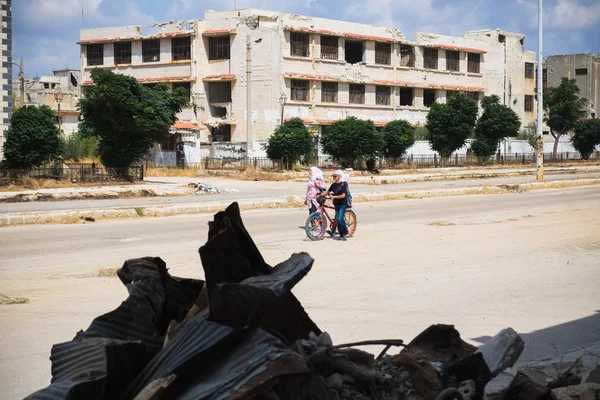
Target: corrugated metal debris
x,y
242,334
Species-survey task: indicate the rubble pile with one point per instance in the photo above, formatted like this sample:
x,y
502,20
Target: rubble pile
x,y
242,334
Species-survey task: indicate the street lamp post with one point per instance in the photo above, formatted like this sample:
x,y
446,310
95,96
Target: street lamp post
x,y
540,98
282,101
58,97
21,66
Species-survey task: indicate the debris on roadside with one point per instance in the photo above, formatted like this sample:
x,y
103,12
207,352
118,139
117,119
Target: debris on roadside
x,y
207,188
242,334
9,301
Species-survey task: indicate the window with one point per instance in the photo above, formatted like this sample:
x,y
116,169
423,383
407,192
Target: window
x,y
382,95
407,56
450,93
299,43
221,133
46,86
406,96
299,90
329,92
473,95
329,47
474,63
452,60
529,70
545,75
95,54
151,50
430,58
383,53
528,103
219,48
186,85
428,97
357,94
181,48
501,38
123,53
219,92
354,51
581,71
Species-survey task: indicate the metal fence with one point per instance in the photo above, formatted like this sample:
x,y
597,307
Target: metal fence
x,y
74,173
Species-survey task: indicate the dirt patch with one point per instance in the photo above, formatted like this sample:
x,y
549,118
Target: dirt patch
x,y
107,272
441,223
128,194
30,183
9,301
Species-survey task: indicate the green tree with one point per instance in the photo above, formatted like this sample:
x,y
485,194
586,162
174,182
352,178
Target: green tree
x,y
291,142
529,133
352,141
449,125
586,137
128,117
399,136
496,123
562,109
32,138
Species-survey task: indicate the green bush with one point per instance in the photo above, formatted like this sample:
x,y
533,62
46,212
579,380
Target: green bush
x,y
77,148
586,137
399,136
497,121
352,141
32,138
529,133
484,148
291,142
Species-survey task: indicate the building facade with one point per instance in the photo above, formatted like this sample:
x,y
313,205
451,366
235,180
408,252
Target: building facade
x,y
45,90
6,69
585,68
319,70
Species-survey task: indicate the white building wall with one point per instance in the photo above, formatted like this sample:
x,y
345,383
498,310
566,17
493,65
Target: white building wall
x,y
5,69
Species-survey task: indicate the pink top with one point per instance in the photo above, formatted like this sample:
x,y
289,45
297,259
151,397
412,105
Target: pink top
x,y
312,189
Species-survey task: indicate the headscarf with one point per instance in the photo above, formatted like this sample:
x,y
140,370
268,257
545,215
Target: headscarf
x,y
315,173
342,175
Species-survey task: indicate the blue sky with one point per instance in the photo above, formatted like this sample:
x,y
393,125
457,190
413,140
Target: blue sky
x,y
45,31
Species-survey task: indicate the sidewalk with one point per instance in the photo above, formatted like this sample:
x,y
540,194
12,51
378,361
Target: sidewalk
x,y
217,203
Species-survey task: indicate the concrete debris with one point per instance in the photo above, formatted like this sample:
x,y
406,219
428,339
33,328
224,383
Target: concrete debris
x,y
497,388
207,188
243,335
585,391
502,351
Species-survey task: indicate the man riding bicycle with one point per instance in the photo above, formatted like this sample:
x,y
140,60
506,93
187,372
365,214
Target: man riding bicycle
x,y
338,192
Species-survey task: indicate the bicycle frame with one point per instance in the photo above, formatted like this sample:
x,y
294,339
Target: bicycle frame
x,y
323,210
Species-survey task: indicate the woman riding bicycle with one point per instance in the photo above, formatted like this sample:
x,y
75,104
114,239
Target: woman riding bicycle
x,y
315,185
338,191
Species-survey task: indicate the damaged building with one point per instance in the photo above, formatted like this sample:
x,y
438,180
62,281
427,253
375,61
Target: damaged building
x,y
316,69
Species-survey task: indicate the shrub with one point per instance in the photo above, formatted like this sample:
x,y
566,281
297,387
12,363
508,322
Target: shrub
x,y
352,141
399,136
586,137
291,142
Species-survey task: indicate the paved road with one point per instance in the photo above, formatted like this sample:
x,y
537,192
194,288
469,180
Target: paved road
x,y
482,263
265,190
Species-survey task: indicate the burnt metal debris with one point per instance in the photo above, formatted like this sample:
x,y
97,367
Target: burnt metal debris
x,y
242,334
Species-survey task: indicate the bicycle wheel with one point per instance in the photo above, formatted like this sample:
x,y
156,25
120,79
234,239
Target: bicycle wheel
x,y
350,219
315,226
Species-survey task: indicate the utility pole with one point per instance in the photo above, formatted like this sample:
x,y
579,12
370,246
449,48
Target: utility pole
x,y
249,141
22,77
540,99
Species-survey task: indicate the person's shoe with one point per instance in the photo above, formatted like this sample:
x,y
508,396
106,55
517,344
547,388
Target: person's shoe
x,y
329,232
343,238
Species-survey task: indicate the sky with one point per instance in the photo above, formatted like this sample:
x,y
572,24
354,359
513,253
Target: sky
x,y
45,32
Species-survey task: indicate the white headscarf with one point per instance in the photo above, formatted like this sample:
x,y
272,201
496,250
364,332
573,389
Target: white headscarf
x,y
315,173
344,177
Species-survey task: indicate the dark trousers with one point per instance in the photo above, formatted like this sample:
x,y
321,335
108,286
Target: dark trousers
x,y
312,209
340,210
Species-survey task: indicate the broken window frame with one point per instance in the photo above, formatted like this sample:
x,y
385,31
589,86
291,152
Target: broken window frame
x,y
529,70
224,137
150,50
430,58
329,92
122,53
528,103
356,92
95,54
299,90
181,48
219,48
404,96
219,92
329,51
425,97
351,43
186,85
474,63
581,71
453,63
407,55
383,95
383,53
299,44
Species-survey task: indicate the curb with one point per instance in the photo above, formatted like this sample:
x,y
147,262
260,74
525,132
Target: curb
x,y
72,216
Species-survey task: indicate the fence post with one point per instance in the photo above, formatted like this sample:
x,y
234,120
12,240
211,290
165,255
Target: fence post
x,y
523,155
456,159
435,160
142,171
562,157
